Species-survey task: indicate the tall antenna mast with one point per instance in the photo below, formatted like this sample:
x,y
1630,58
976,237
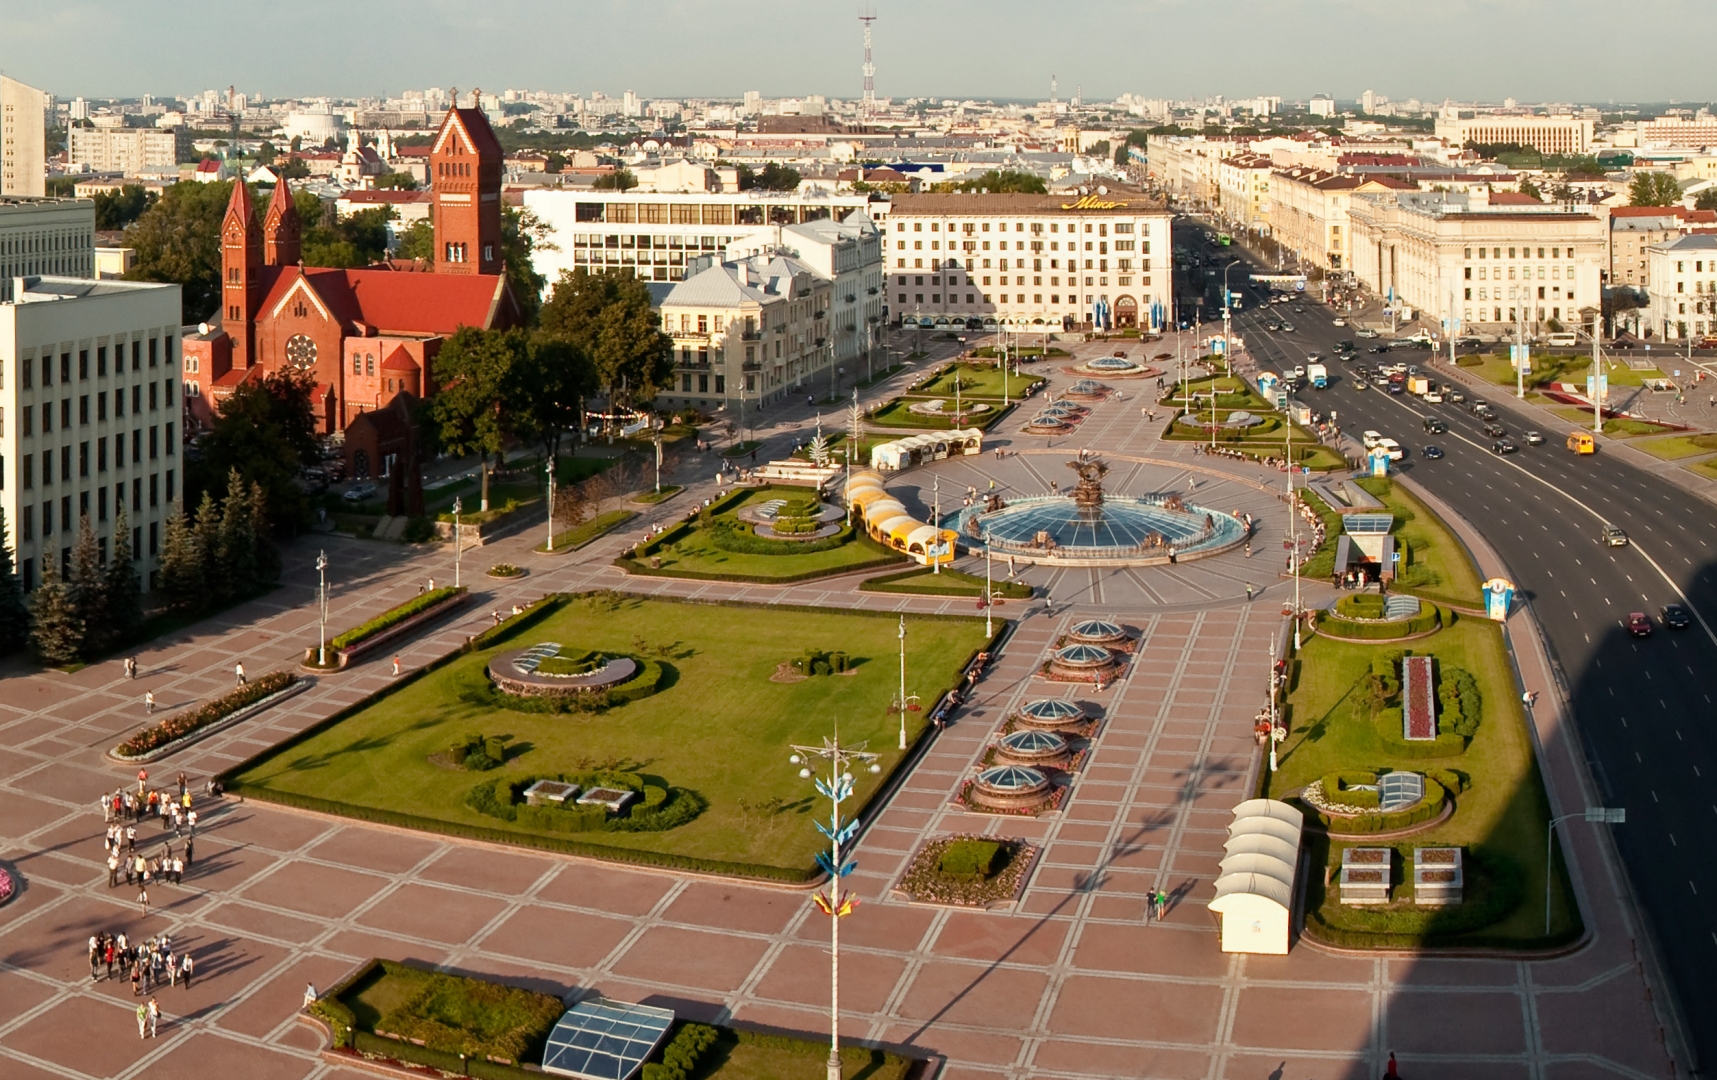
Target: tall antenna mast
x,y
867,17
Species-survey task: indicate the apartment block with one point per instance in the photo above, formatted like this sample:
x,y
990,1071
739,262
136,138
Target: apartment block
x,y
125,150
1682,299
23,139
45,236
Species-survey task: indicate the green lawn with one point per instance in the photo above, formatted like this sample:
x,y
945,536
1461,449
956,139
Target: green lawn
x,y
692,551
719,726
1440,569
898,414
1675,447
1504,809
652,496
1705,468
1552,367
976,381
745,1055
1624,428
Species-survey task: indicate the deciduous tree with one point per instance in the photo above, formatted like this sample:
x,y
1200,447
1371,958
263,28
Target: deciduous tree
x,y
608,316
473,411
266,429
178,240
1654,189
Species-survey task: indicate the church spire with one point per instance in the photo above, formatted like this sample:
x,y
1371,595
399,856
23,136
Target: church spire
x,y
241,273
281,229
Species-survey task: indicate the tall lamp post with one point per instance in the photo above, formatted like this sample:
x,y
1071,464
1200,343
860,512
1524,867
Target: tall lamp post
x,y
936,518
322,609
902,636
1600,815
551,504
836,785
458,540
989,596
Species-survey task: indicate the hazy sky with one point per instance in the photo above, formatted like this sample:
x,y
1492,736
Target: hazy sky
x,y
1581,50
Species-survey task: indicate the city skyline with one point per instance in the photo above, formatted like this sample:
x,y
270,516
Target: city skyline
x,y
947,51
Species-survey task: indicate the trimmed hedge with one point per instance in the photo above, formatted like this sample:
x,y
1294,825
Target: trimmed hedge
x,y
660,808
1338,788
1389,734
393,616
731,536
682,1053
957,583
971,860
1428,619
1462,704
182,724
885,557
1495,887
1426,809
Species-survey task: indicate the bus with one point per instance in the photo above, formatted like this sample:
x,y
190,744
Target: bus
x,y
1582,442
1223,239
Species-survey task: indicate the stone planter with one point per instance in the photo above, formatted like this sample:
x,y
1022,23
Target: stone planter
x,y
476,535
168,749
343,657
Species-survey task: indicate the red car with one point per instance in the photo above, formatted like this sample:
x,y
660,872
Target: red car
x,y
1638,624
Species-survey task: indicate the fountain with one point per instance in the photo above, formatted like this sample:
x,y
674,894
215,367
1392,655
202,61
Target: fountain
x,y
1088,526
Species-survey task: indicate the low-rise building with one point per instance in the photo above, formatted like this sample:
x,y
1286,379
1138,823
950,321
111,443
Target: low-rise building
x,y
45,236
1635,229
1308,211
1046,261
849,254
752,329
1480,257
89,416
1682,298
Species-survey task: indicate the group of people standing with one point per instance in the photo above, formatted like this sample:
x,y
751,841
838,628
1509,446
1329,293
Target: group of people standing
x,y
149,963
124,810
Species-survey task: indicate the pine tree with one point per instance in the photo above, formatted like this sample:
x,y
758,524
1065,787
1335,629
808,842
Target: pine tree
x,y
124,590
14,616
267,555
89,590
183,574
235,555
207,530
56,631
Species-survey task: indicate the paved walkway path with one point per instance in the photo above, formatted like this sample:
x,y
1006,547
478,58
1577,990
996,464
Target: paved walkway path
x,y
1073,983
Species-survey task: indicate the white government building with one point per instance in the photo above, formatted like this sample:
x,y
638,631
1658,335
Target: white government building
x,y
89,416
54,236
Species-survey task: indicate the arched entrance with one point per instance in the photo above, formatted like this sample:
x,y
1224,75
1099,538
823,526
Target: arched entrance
x,y
1126,313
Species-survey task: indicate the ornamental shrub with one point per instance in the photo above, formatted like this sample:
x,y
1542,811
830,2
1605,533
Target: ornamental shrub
x,y
182,724
1462,705
971,860
393,617
681,1055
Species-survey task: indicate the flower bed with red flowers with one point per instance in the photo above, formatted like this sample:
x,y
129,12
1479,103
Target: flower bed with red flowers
x,y
182,724
1418,698
7,885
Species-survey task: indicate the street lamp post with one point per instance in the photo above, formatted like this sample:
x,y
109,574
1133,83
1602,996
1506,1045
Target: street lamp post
x,y
550,468
458,541
989,596
1600,815
322,609
936,519
903,682
836,785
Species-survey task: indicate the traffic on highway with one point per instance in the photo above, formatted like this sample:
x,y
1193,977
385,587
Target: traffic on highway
x,y
1618,564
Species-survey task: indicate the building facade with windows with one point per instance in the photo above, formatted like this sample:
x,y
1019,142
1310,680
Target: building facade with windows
x,y
46,237
1045,261
23,139
656,235
89,417
1553,134
1682,299
848,253
747,330
1480,257
125,150
1634,230
1308,211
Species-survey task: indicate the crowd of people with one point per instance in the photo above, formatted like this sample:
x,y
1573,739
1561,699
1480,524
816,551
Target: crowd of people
x,y
1314,527
125,811
149,964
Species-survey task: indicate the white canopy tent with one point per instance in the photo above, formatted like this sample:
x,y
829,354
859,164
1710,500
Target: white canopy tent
x,y
1255,891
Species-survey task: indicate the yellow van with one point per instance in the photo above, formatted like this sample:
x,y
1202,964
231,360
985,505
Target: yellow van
x,y
1581,442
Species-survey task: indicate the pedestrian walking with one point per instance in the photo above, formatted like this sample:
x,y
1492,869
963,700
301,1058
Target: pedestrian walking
x,y
154,1016
143,897
149,702
238,672
189,843
1248,591
1391,1072
185,970
142,1020
396,664
113,870
130,668
309,994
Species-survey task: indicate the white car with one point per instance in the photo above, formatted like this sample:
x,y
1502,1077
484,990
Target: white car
x,y
1392,447
1370,439
1298,371
1434,397
1339,321
1365,332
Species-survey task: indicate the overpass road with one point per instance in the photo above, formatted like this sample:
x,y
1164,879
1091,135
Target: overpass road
x,y
1644,707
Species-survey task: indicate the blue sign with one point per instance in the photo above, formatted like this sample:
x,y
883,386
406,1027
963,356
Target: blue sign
x,y
1498,598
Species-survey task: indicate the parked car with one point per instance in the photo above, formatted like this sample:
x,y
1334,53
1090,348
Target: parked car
x,y
1614,537
1675,617
360,491
1638,624
1433,452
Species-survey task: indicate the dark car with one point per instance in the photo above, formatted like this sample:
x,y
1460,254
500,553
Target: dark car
x,y
1611,536
1534,438
1378,349
1674,617
1495,431
1396,387
1433,452
1503,446
1435,426
1638,625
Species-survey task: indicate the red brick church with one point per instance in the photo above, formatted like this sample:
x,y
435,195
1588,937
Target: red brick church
x,y
367,336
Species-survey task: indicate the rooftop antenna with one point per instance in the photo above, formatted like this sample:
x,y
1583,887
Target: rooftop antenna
x,y
868,16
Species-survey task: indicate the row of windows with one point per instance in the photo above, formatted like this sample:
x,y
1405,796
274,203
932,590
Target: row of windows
x,y
1526,273
1525,253
1002,298
1100,246
703,383
1123,265
1698,286
157,391
27,462
1512,295
15,242
27,367
1121,228
1018,279
670,243
27,567
1496,314
68,522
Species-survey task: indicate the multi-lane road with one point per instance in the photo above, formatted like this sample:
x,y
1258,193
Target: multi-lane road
x,y
1645,707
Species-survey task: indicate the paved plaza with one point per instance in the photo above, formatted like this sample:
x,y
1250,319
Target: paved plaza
x,y
1074,982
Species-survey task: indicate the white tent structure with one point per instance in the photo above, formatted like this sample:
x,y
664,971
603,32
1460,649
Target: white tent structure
x,y
1255,891
917,449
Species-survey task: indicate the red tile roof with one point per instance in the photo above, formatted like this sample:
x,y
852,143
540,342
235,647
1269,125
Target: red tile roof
x,y
396,303
386,197
399,360
1513,198
477,129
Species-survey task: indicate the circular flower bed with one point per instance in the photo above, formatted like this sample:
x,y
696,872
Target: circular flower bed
x,y
7,885
505,570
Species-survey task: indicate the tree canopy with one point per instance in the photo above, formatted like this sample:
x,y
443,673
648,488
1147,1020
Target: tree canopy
x,y
607,317
618,180
178,240
1654,189
117,209
1706,200
265,431
1005,180
772,177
